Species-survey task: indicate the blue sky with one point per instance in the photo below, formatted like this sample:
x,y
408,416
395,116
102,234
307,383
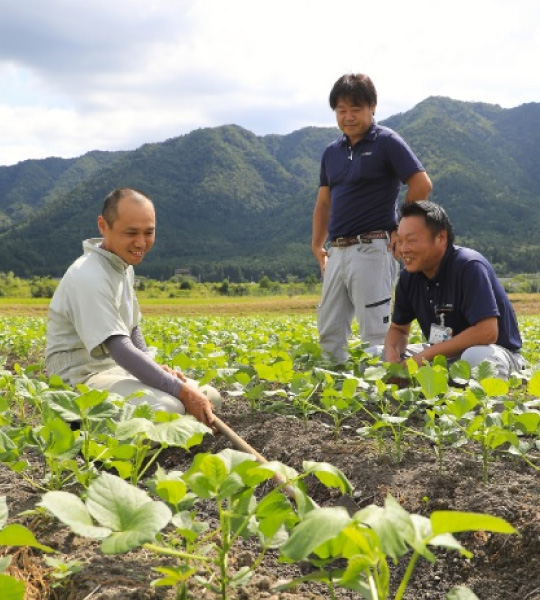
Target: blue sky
x,y
115,74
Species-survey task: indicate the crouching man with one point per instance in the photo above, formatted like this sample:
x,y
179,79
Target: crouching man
x,y
461,307
93,332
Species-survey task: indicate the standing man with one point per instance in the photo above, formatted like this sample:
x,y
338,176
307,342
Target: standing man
x,y
453,292
361,174
93,333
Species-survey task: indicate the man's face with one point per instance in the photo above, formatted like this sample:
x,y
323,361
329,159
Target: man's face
x,y
133,232
419,250
354,120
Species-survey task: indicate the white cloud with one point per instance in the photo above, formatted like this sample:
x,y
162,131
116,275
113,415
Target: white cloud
x,y
113,75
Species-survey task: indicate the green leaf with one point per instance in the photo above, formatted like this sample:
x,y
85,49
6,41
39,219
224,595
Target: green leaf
x,y
444,521
485,370
131,428
61,440
461,593
328,475
528,422
18,535
533,386
127,511
242,577
181,360
460,371
317,527
11,589
433,381
358,569
140,527
183,432
213,467
462,405
493,387
70,510
273,511
171,492
392,524
91,399
349,388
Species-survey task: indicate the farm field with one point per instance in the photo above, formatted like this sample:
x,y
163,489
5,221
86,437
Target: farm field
x,y
431,447
524,304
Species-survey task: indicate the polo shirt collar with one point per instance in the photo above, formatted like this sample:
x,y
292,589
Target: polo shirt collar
x,y
370,135
94,245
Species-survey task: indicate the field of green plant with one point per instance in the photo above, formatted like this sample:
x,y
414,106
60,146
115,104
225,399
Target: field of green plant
x,y
127,481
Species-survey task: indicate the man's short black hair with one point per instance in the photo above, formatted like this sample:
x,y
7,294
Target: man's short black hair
x,y
110,206
434,215
357,88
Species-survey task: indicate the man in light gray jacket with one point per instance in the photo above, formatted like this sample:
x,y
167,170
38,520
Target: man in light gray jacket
x,y
93,333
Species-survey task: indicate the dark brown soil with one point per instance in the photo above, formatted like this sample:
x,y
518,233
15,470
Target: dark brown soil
x,y
503,567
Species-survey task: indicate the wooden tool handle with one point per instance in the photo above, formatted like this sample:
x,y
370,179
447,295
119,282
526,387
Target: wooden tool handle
x,y
243,446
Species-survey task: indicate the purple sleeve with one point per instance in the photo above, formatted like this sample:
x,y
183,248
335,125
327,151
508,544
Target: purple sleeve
x,y
141,365
138,339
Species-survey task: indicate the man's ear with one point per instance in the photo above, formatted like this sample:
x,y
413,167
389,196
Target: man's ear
x,y
102,224
443,235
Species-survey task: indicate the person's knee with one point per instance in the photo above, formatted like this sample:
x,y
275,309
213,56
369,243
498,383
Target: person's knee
x,y
476,354
493,354
377,350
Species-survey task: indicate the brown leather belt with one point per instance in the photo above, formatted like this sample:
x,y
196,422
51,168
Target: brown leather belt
x,y
363,238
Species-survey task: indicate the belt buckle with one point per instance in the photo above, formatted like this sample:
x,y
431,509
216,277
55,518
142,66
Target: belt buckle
x,y
340,242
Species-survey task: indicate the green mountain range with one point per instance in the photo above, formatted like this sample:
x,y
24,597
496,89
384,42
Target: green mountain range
x,y
233,204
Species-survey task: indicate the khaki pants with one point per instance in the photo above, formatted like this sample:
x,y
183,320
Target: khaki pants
x,y
358,282
121,382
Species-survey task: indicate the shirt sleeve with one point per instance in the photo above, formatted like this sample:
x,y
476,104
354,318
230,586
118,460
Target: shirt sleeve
x,y
141,365
403,160
403,312
138,339
479,301
323,177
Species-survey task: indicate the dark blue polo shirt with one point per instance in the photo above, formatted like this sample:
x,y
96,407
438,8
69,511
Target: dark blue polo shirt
x,y
365,181
467,290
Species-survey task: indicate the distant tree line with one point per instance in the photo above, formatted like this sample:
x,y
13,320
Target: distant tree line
x,y
185,286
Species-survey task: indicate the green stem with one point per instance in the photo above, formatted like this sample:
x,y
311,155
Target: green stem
x,y
373,588
150,463
406,577
331,589
176,553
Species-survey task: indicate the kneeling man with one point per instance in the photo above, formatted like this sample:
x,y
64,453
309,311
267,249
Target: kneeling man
x,y
453,292
93,332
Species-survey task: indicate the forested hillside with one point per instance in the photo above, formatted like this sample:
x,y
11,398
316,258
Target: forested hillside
x,y
233,204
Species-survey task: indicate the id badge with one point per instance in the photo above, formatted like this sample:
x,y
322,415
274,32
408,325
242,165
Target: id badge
x,y
439,333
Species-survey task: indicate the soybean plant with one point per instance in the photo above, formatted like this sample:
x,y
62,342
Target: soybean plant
x,y
372,537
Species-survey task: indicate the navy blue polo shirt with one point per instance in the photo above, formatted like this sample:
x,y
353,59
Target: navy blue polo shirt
x,y
467,290
365,181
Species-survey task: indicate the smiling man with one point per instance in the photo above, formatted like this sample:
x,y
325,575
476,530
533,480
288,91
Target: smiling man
x,y
93,332
355,216
453,293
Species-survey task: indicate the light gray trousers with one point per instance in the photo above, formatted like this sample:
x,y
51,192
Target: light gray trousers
x,y
358,282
